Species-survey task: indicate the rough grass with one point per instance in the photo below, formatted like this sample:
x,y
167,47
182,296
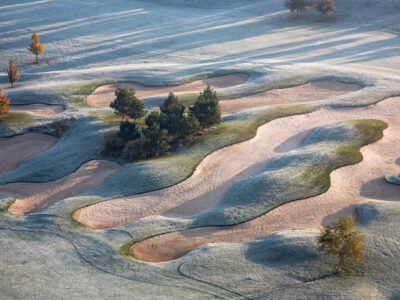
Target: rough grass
x,y
14,123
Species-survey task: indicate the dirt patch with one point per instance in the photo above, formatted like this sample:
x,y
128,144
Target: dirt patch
x,y
104,95
31,197
350,186
14,150
38,109
312,91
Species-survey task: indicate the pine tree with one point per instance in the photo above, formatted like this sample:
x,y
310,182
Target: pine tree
x,y
36,47
190,128
342,240
126,104
4,103
326,7
157,139
128,131
12,72
172,115
206,108
296,5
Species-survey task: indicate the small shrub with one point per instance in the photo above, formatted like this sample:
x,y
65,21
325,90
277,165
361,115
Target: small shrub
x,y
113,145
59,127
135,150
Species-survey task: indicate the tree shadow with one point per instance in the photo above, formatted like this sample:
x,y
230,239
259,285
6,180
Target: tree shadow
x,y
346,211
380,189
293,142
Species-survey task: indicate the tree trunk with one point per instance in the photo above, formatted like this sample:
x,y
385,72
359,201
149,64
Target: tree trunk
x,y
37,59
12,84
339,267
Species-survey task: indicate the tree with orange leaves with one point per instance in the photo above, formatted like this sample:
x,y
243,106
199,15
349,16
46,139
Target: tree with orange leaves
x,y
36,47
12,72
4,102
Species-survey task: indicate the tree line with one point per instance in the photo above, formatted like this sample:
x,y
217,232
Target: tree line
x,y
325,7
173,126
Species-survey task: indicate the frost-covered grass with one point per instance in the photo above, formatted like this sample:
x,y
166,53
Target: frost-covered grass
x,y
149,42
75,147
14,123
393,178
299,174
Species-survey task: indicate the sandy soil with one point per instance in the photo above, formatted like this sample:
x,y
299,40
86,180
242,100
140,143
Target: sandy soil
x,y
312,91
215,175
32,197
104,95
14,150
38,109
351,186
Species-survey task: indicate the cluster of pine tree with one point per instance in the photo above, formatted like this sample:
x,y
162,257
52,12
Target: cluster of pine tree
x,y
325,7
171,127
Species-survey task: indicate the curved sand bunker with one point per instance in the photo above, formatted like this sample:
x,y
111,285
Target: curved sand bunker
x,y
38,109
214,176
32,197
312,91
350,186
14,150
104,95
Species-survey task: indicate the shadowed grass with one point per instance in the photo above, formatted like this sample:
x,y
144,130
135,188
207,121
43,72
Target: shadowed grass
x,y
14,123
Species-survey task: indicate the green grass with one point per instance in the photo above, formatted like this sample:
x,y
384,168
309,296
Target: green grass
x,y
14,123
5,203
125,250
78,92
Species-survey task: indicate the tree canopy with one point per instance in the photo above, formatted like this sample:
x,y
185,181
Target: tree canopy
x,y
13,73
326,7
36,47
172,115
127,104
343,241
4,103
206,108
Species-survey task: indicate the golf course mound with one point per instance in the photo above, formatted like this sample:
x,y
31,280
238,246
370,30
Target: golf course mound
x,y
38,109
312,91
14,150
219,171
32,197
104,95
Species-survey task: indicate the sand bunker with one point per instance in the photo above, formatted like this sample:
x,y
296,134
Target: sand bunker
x,y
32,197
104,95
351,186
16,149
210,181
38,109
312,91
